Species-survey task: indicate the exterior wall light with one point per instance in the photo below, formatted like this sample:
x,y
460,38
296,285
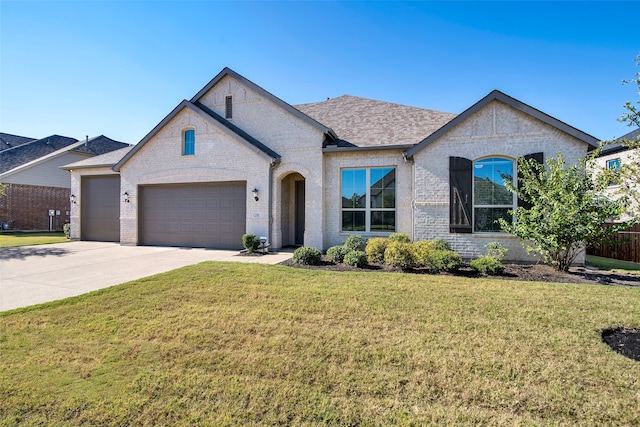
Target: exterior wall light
x,y
255,194
125,197
73,199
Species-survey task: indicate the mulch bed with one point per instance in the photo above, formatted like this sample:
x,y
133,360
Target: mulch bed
x,y
625,341
524,272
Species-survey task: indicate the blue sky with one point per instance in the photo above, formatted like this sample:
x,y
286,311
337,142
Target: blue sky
x,y
117,68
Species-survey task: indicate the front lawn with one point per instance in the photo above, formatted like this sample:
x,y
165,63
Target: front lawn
x,y
22,238
246,344
613,264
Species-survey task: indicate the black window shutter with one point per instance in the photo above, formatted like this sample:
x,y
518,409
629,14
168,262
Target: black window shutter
x,y
539,157
460,195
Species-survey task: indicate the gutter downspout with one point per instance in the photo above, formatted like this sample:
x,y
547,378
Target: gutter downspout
x,y
413,195
272,166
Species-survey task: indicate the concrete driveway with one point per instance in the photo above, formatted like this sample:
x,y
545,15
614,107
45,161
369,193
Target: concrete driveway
x,y
36,274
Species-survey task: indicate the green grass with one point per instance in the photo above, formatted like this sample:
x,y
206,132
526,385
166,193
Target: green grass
x,y
244,344
613,264
21,238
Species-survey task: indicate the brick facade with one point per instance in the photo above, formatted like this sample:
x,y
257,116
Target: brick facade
x,y
26,207
495,129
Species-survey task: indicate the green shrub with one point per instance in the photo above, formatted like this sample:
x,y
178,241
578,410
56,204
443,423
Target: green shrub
x,y
356,259
337,253
250,242
356,243
375,249
307,256
67,230
400,255
422,249
444,260
488,265
441,244
399,237
496,250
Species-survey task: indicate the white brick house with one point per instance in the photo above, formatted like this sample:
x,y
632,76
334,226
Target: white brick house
x,y
235,159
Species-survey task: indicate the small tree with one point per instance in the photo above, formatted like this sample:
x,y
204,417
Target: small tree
x,y
568,210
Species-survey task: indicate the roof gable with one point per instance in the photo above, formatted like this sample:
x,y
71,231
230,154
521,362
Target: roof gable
x,y
496,95
224,125
40,160
271,97
27,152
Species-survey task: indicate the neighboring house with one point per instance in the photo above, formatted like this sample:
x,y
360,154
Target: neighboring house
x,y
616,154
35,186
236,159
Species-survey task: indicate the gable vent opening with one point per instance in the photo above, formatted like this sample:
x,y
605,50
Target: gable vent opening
x,y
228,107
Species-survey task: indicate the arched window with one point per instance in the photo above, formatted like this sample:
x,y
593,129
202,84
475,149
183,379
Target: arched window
x,y
491,199
189,142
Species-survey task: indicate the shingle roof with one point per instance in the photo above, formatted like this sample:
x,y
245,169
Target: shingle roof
x,y
36,149
367,122
27,152
9,141
104,160
619,144
100,145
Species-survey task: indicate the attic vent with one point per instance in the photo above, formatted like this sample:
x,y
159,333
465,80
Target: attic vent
x,y
228,107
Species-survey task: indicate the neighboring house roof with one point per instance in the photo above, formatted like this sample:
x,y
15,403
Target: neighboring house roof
x,y
9,141
229,72
619,144
99,145
591,141
366,122
109,159
30,151
207,114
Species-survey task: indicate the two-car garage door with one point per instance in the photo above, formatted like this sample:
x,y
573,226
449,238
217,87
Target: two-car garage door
x,y
211,215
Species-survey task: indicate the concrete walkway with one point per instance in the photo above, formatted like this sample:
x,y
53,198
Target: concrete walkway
x,y
36,274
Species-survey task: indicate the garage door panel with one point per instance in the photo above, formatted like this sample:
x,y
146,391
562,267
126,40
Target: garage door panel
x,y
100,208
193,215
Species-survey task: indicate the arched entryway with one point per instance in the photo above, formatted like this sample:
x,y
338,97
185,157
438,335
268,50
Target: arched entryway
x,y
292,212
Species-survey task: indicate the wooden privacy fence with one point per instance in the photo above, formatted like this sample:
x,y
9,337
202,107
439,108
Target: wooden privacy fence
x,y
629,250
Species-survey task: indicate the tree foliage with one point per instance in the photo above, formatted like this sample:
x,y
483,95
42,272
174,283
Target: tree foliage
x,y
568,210
627,176
632,115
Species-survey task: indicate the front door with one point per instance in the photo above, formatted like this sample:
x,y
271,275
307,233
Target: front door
x,y
299,213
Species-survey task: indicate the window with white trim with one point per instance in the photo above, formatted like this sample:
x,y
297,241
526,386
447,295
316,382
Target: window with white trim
x,y
189,142
369,200
491,199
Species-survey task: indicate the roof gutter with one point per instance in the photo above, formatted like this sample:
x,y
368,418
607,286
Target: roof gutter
x,y
336,149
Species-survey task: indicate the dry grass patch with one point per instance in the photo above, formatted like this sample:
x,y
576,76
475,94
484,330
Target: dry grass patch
x,y
239,344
